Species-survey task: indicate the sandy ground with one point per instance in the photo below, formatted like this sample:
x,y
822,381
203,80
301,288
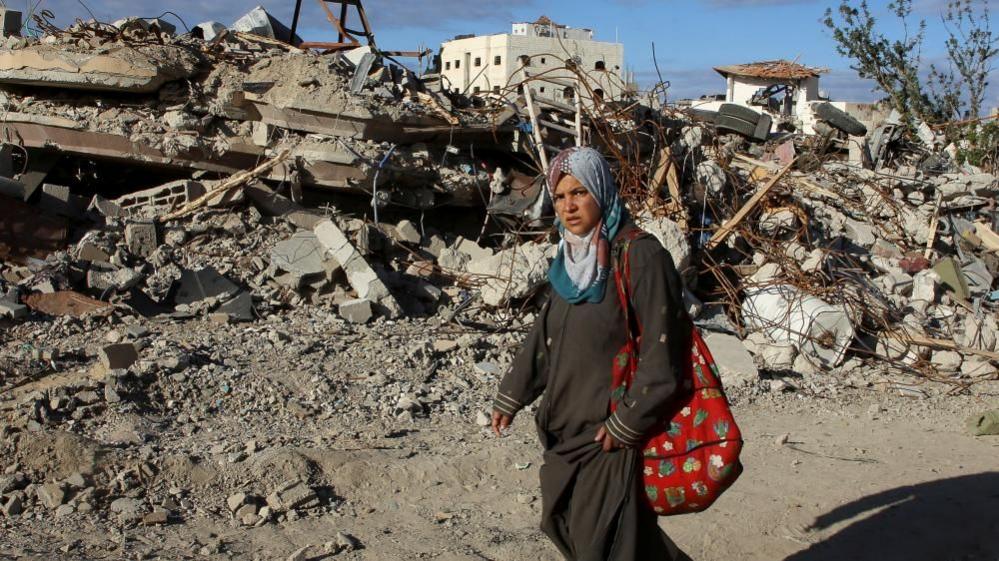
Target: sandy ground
x,y
864,476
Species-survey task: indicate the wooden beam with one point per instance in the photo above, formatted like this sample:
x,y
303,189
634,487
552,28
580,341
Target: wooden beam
x,y
743,212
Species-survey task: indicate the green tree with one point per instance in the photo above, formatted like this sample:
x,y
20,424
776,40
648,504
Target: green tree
x,y
892,63
948,91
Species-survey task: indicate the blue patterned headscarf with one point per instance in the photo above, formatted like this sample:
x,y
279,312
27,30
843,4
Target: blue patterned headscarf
x,y
591,169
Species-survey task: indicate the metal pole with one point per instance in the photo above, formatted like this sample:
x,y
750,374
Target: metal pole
x,y
294,21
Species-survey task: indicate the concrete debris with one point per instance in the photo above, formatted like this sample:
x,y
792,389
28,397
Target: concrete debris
x,y
361,276
514,273
379,271
735,364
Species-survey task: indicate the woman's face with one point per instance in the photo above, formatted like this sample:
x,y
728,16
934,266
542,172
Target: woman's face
x,y
576,208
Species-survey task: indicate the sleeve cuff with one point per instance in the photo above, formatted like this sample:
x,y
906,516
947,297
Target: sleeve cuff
x,y
506,404
622,432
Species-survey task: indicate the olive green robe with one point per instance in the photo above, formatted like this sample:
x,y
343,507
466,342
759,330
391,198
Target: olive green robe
x,y
593,500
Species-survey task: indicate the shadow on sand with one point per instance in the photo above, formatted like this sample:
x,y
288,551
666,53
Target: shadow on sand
x,y
948,520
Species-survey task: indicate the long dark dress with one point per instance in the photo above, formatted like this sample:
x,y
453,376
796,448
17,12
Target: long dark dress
x,y
592,500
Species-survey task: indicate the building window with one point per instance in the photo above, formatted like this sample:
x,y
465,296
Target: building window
x,y
600,65
496,89
542,89
598,95
497,60
525,60
542,60
478,62
447,66
477,89
457,64
568,93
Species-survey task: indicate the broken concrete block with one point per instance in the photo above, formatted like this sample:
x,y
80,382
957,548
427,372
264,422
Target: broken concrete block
x,y
671,236
104,276
924,290
12,310
292,495
128,509
14,506
474,251
979,333
821,330
976,367
356,55
235,501
773,222
947,360
239,308
52,495
119,356
199,285
735,364
361,276
141,239
55,66
301,254
208,29
87,251
513,273
157,201
259,22
407,232
356,311
157,517
104,207
859,233
452,259
712,176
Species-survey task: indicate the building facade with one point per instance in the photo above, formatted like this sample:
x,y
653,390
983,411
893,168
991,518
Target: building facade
x,y
496,63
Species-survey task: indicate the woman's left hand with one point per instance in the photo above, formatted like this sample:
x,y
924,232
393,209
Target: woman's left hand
x,y
607,441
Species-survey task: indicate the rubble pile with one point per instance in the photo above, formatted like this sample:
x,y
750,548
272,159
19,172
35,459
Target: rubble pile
x,y
154,100
214,283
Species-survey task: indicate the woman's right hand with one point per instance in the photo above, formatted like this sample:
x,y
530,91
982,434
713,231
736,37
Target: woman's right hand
x,y
500,421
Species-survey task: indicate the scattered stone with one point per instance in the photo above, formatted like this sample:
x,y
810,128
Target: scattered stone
x,y
128,509
407,232
292,495
52,495
119,356
157,517
141,238
356,311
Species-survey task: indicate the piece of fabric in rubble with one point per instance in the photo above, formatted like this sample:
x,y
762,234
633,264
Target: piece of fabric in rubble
x,y
593,505
580,270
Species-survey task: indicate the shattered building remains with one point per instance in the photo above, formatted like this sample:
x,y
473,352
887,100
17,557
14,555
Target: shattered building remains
x,y
242,195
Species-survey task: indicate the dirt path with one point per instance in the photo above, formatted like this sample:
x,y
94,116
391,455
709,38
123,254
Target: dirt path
x,y
861,477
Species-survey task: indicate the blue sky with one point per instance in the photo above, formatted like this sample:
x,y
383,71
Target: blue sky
x,y
691,36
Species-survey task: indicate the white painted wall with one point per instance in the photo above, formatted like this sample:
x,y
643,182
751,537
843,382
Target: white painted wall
x,y
546,54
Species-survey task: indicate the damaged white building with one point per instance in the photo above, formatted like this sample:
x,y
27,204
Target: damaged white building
x,y
491,63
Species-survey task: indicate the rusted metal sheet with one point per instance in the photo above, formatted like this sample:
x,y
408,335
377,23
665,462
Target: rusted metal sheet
x,y
66,303
25,232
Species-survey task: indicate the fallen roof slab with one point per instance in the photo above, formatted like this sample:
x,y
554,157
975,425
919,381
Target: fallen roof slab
x,y
124,68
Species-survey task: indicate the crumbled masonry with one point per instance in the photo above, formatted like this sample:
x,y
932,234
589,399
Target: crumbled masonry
x,y
372,247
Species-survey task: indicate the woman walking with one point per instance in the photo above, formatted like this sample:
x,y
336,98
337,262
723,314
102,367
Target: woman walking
x,y
592,494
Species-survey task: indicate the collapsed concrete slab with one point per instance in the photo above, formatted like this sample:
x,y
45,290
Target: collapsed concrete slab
x,y
116,68
361,276
513,273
